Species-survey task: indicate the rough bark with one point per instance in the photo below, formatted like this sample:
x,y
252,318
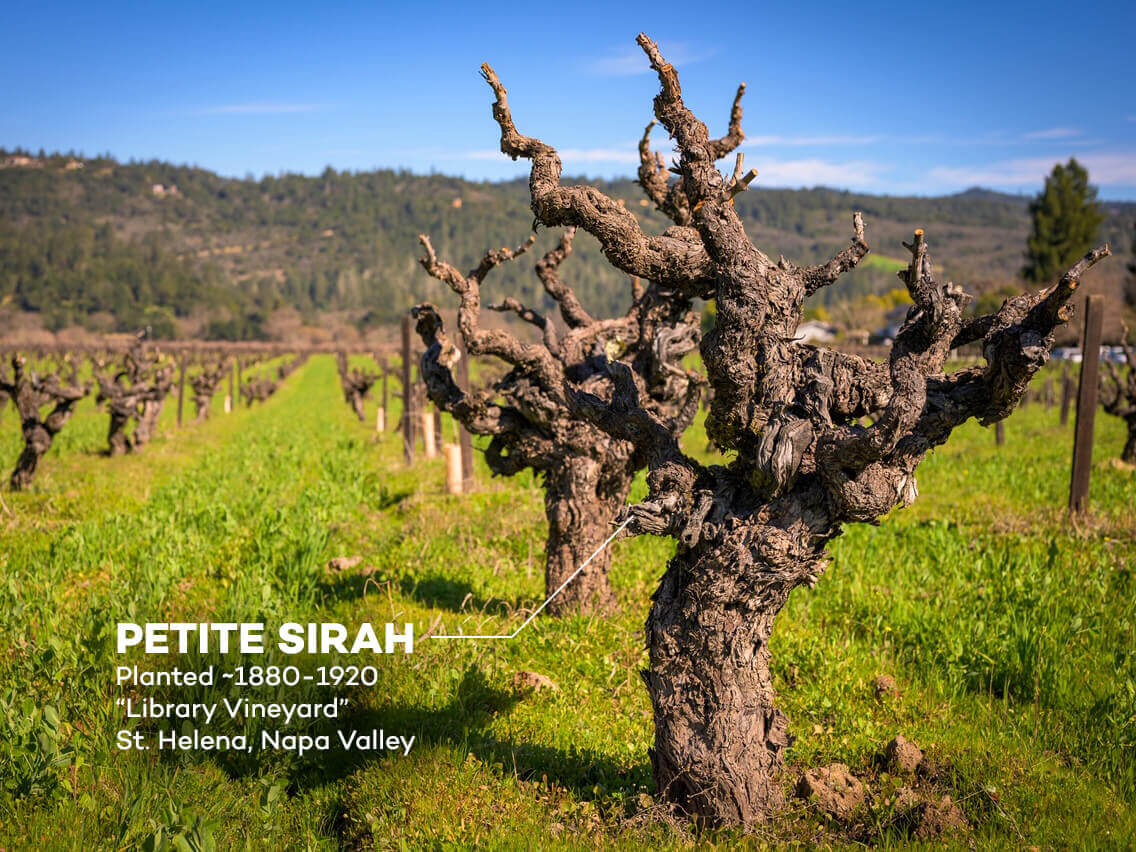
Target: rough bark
x,y
152,410
719,737
1118,396
31,393
587,473
580,500
751,531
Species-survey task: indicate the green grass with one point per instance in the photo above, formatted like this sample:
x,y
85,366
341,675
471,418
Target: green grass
x,y
884,262
1009,630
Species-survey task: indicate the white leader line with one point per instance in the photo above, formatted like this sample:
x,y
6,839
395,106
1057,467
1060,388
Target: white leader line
x,y
536,612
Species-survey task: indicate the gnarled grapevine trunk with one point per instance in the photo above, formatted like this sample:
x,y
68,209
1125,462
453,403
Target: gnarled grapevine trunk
x,y
118,442
802,463
581,501
356,385
719,737
1118,396
37,441
148,422
205,384
586,472
136,392
30,393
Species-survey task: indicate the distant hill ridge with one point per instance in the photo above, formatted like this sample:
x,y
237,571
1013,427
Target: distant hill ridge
x,y
111,246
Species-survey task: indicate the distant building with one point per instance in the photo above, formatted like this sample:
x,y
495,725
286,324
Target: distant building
x,y
20,161
456,203
160,191
72,165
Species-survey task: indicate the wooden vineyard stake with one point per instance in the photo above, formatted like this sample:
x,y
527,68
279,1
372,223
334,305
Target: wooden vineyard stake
x,y
380,420
453,456
428,445
407,395
437,429
181,389
230,398
386,398
999,433
1086,405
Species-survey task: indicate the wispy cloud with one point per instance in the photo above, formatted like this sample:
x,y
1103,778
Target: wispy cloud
x,y
629,61
804,141
814,171
1115,168
261,109
1053,133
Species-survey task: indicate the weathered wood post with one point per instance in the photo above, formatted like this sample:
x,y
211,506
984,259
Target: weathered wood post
x,y
465,440
428,445
1066,395
386,399
453,456
1086,405
230,399
999,433
181,388
407,394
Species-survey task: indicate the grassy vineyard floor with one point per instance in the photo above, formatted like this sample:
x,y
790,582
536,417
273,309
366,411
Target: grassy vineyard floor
x,y
1010,632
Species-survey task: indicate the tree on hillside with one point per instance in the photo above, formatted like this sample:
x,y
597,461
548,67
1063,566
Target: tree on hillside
x,y
586,473
1066,222
803,466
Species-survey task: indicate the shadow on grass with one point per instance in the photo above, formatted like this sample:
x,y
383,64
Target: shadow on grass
x,y
438,591
462,723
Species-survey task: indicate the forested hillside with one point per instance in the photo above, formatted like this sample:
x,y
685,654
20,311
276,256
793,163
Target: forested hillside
x,y
112,246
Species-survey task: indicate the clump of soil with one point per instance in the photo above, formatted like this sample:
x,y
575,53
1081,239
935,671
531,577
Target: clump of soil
x,y
343,563
920,807
901,756
932,818
833,789
525,681
884,687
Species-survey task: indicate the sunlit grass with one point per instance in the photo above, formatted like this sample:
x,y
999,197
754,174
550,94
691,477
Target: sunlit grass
x,y
1009,630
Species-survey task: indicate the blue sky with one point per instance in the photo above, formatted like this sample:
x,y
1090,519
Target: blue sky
x,y
898,98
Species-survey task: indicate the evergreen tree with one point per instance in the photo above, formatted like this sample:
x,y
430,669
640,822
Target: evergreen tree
x,y
1066,220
